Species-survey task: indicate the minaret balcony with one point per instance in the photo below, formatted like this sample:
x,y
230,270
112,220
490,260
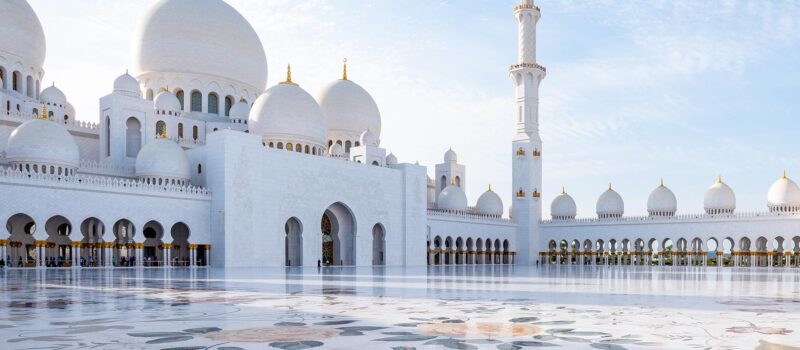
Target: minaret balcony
x,y
514,67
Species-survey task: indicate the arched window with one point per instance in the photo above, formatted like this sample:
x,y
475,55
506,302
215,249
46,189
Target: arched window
x,y
298,148
29,86
347,146
330,143
3,78
179,94
108,136
49,115
213,103
16,81
66,119
458,181
280,145
199,168
36,112
180,130
133,137
289,147
194,132
271,145
149,94
228,105
375,162
197,101
307,150
442,183
161,128
339,142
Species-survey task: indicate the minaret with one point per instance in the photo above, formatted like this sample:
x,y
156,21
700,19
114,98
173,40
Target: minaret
x,y
527,145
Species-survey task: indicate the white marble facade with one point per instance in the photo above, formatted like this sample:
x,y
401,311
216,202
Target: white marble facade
x,y
195,161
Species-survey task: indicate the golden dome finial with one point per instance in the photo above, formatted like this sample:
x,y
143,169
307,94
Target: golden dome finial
x,y
344,69
44,112
563,190
609,186
662,182
289,76
490,187
784,174
719,179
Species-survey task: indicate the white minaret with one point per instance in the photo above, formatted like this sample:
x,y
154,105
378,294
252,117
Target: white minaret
x,y
527,145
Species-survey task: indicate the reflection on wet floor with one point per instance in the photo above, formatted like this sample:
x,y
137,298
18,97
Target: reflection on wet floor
x,y
447,307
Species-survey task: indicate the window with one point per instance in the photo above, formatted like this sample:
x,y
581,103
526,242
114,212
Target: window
x,y
194,132
347,146
199,168
66,119
16,84
161,128
197,101
133,137
149,94
289,147
108,136
179,95
180,130
213,103
280,145
228,105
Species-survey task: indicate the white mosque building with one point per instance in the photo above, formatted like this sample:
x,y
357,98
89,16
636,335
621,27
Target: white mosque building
x,y
196,162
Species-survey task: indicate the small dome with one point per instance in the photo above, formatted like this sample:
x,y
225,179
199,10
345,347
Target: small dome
x,y
287,112
450,156
391,159
206,38
21,34
166,101
489,203
563,207
662,202
349,109
368,139
452,198
127,85
784,196
240,110
42,142
53,96
719,198
610,204
336,150
70,110
162,159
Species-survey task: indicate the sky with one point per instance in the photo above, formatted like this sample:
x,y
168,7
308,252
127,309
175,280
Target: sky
x,y
636,91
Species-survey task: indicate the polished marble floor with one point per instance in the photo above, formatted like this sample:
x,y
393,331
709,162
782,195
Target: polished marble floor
x,y
451,307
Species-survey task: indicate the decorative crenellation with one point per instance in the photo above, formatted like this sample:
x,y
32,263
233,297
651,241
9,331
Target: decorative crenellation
x,y
527,5
103,182
466,214
682,217
70,124
107,168
527,65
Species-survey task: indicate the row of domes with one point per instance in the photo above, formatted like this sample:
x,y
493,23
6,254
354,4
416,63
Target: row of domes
x,y
783,196
453,198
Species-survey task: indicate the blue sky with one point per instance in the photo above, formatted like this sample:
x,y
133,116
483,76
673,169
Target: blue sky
x,y
636,90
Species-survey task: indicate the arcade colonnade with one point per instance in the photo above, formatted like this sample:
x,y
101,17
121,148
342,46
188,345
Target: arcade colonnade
x,y
469,251
91,242
738,251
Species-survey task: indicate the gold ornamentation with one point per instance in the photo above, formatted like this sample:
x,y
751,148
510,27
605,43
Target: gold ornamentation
x,y
520,152
536,193
520,193
44,112
536,153
289,76
344,69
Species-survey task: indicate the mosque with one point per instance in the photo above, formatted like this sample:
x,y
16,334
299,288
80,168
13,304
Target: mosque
x,y
194,161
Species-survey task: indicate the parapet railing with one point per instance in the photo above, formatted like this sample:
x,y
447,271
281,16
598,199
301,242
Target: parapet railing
x,y
72,123
681,217
466,214
102,182
107,168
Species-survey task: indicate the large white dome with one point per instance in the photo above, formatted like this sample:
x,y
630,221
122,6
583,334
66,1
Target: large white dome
x,y
563,207
489,203
287,112
349,109
53,96
42,142
610,204
162,159
21,33
719,198
204,37
784,196
452,198
662,202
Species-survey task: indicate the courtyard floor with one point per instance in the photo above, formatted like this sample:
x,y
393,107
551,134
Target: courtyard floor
x,y
442,307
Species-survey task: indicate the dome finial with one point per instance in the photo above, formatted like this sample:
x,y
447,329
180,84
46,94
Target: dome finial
x,y
490,188
563,190
784,174
289,76
719,179
662,182
344,69
126,71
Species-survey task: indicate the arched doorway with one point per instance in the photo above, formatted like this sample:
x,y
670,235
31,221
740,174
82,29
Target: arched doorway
x,y
338,236
22,245
58,251
153,253
378,245
124,245
293,242
179,249
91,242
